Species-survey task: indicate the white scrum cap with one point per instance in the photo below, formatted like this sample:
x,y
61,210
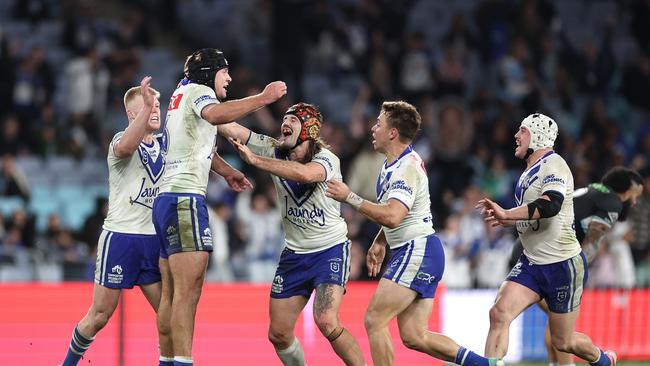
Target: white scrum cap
x,y
543,131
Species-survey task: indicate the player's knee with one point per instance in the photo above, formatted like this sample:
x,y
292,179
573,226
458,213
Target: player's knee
x,y
99,318
280,339
562,344
499,316
370,321
412,340
326,323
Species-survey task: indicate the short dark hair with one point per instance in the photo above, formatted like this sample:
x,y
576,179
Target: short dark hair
x,y
620,178
404,117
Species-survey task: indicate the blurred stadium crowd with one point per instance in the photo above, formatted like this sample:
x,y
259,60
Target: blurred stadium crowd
x,y
473,68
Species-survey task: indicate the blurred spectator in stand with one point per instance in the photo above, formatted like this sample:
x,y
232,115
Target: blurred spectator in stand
x,y
12,180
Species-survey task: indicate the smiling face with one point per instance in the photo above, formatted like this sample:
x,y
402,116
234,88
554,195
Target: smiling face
x,y
522,139
221,81
290,131
135,105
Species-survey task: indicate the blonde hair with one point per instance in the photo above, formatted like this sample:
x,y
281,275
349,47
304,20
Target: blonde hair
x,y
135,91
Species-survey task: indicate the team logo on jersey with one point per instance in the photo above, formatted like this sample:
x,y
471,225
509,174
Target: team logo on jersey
x,y
277,287
383,182
153,161
298,192
525,181
117,269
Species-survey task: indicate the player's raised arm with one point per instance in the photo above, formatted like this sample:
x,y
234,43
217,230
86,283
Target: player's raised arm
x,y
233,110
140,104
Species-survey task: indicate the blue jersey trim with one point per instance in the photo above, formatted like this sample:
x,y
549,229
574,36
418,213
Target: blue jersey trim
x,y
405,152
400,201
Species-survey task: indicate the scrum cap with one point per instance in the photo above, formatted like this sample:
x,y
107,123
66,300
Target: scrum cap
x,y
310,119
543,131
202,66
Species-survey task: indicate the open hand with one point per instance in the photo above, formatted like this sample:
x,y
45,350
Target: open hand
x,y
375,258
237,181
244,152
147,95
338,190
493,213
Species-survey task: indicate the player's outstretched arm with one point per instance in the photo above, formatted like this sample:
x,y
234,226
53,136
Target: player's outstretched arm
x,y
388,214
220,113
302,173
135,132
548,205
235,131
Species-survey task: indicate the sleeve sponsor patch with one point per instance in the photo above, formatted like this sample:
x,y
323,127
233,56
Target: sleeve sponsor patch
x,y
552,179
204,98
325,160
400,185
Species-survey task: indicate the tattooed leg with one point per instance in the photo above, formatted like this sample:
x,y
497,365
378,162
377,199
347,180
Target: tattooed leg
x,y
326,315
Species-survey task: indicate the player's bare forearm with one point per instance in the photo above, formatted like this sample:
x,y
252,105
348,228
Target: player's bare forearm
x,y
292,170
380,238
221,166
388,214
520,213
234,130
233,110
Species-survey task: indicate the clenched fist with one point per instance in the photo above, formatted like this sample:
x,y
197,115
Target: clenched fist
x,y
274,91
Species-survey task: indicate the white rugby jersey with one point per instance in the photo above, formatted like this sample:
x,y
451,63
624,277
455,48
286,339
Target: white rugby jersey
x,y
133,185
406,180
192,140
311,220
553,239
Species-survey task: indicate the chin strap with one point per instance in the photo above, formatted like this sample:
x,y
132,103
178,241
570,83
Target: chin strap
x,y
529,152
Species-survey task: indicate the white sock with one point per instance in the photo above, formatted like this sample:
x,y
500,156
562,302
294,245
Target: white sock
x,y
183,359
293,355
553,364
568,364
